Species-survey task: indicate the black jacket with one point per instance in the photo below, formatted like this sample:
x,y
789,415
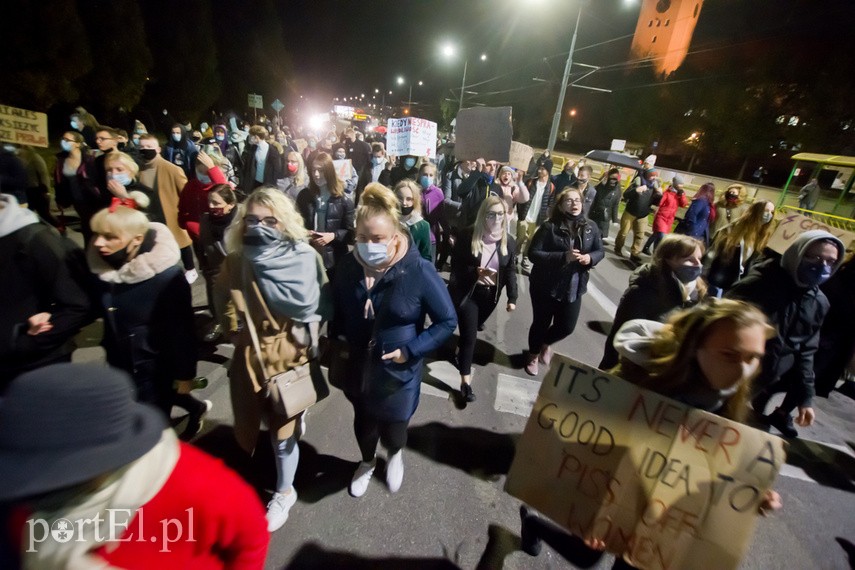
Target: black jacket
x,y
549,194
652,294
796,312
604,200
563,180
274,168
45,272
464,269
340,221
640,204
551,274
359,153
837,337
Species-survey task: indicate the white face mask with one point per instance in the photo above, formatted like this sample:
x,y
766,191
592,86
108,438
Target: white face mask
x,y
176,137
373,254
767,217
66,146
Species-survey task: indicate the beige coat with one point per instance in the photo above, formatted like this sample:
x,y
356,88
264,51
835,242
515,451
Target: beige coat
x,y
282,351
170,182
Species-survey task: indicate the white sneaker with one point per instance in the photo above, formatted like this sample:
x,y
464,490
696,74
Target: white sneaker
x,y
278,507
395,471
191,276
361,478
300,430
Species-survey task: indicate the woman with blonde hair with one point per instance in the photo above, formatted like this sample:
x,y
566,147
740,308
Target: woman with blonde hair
x,y
277,283
149,328
327,212
483,263
381,292
670,281
409,195
738,246
295,179
730,206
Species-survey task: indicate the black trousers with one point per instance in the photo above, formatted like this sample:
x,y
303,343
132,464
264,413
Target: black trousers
x,y
187,258
470,316
552,320
370,431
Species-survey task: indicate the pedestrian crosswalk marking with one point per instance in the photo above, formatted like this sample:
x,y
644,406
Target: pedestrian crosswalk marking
x,y
515,395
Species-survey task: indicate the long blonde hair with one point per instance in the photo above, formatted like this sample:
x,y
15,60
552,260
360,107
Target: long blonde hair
x,y
674,367
480,225
300,176
415,189
749,227
290,221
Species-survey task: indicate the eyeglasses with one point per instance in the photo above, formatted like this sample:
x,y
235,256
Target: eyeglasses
x,y
572,201
104,138
253,221
69,140
818,259
495,215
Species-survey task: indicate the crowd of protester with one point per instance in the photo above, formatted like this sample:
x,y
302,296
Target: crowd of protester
x,y
307,239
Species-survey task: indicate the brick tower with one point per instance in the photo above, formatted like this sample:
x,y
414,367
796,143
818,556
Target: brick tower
x,y
664,32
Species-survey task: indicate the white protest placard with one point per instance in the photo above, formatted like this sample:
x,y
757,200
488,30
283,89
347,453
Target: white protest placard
x,y
253,101
520,156
413,136
343,169
20,126
794,225
664,485
484,132
618,145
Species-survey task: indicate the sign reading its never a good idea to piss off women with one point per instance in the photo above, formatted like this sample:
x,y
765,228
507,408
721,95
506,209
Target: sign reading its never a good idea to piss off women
x,y
665,485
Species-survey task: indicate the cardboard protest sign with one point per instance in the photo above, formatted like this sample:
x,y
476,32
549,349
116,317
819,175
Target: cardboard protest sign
x,y
484,132
665,485
520,156
416,137
23,127
794,225
343,169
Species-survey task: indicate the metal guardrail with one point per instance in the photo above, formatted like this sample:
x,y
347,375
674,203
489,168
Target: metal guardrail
x,y
829,220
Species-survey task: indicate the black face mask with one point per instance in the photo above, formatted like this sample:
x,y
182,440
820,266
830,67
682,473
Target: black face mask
x,y
117,258
407,210
148,153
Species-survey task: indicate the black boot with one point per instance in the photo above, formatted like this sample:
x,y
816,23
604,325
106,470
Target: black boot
x,y
531,543
783,422
466,392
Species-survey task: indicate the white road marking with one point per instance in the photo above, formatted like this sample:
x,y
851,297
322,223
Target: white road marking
x,y
515,395
602,300
444,372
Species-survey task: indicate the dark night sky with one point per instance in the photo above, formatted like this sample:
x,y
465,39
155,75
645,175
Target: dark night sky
x,y
347,47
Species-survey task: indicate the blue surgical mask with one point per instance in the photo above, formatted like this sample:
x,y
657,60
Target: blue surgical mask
x,y
426,181
688,273
373,254
409,163
767,217
122,178
376,161
176,137
813,274
66,146
75,125
203,178
220,137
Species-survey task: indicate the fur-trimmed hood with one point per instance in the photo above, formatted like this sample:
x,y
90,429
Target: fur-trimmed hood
x,y
163,255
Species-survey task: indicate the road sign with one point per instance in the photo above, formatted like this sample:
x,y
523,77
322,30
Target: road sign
x,y
277,105
254,101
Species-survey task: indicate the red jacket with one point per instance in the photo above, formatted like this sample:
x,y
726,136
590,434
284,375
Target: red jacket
x,y
211,505
194,201
664,218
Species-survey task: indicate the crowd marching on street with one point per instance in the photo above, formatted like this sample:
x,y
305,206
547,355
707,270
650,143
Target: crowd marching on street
x,y
368,271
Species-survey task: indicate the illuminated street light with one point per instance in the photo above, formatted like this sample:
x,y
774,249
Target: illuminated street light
x,y
400,80
421,83
376,90
483,57
572,112
448,50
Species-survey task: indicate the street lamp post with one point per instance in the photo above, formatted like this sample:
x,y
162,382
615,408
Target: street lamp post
x,y
556,118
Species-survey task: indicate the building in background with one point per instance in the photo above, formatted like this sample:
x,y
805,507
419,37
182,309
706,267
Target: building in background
x,y
664,32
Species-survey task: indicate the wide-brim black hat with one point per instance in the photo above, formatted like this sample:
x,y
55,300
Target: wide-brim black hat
x,y
65,424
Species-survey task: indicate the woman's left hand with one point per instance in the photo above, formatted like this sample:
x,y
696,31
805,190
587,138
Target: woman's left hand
x,y
322,239
395,356
583,259
511,307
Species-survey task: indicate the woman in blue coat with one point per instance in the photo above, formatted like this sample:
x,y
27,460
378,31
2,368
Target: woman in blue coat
x,y
381,291
700,214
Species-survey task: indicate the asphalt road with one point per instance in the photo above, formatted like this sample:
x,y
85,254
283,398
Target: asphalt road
x,y
451,508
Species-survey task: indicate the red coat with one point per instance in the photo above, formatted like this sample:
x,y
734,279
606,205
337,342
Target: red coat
x,y
664,218
205,498
194,201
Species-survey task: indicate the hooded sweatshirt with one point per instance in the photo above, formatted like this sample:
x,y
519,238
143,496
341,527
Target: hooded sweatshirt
x,y
795,309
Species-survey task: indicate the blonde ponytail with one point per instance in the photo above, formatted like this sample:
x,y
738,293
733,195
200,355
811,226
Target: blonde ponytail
x,y
377,200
